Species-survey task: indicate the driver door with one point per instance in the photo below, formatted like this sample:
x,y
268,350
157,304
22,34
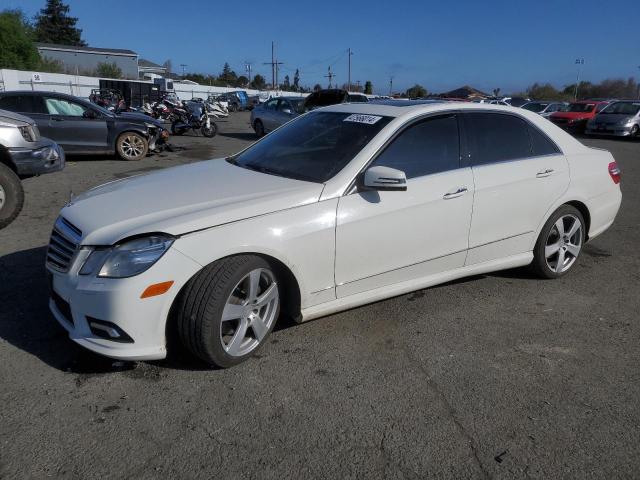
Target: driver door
x,y
77,128
389,237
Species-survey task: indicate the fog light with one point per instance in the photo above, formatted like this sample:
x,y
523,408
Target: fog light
x,y
108,331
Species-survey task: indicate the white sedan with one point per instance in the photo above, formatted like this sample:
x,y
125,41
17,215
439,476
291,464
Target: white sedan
x,y
340,207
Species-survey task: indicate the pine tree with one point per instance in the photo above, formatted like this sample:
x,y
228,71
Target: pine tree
x,y
54,25
296,80
368,87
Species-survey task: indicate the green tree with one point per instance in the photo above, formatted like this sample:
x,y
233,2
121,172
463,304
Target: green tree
x,y
368,87
416,91
242,81
258,82
546,91
227,76
286,85
109,70
54,25
17,50
296,80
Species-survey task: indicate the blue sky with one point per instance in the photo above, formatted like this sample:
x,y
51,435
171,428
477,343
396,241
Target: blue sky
x,y
441,45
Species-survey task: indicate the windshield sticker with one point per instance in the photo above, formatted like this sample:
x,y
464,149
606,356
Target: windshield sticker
x,y
359,118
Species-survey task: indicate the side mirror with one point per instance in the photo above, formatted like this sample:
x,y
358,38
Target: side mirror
x,y
384,178
287,111
92,114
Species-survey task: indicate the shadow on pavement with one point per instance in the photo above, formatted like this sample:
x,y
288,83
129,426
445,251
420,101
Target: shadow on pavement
x,y
250,137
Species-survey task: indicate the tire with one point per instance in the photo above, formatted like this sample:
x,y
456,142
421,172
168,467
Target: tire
x,y
258,127
224,287
11,196
211,131
233,107
132,146
635,132
554,246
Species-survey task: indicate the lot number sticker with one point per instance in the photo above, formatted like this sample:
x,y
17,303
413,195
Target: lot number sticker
x,y
358,118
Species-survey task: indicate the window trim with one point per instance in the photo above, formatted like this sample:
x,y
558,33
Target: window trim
x,y
467,129
462,147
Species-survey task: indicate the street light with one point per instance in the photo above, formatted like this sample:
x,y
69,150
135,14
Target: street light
x,y
579,62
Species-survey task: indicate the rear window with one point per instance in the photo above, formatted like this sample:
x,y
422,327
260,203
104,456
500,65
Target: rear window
x,y
323,99
581,107
497,137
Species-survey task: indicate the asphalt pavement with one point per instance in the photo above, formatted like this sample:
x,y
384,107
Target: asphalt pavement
x,y
494,376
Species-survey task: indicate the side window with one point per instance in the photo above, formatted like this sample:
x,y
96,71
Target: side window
x,y
59,106
19,103
600,106
283,105
428,147
271,104
540,143
497,137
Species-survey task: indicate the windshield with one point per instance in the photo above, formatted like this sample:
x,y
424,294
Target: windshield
x,y
314,147
535,106
297,104
623,108
581,107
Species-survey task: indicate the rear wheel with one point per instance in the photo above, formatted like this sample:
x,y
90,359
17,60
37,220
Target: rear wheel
x,y
132,146
228,310
11,196
209,131
560,243
258,127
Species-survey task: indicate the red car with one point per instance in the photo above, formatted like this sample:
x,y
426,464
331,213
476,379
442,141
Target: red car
x,y
577,115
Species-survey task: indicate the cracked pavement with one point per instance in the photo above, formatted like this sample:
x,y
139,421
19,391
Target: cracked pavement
x,y
494,376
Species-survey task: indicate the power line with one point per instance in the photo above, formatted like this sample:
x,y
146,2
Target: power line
x,y
330,76
274,67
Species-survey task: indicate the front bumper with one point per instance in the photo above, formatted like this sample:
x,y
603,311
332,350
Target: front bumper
x,y
77,300
45,157
609,130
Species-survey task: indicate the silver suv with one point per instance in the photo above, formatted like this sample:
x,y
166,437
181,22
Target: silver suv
x,y
23,153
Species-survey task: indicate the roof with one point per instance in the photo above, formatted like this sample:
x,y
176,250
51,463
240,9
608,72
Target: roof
x,y
144,63
464,92
73,48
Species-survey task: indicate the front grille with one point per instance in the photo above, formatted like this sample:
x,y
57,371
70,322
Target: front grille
x,y
63,245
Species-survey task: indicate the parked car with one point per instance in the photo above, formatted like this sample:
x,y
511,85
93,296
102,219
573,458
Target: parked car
x,y
516,101
621,119
274,113
575,117
338,208
334,96
82,128
545,108
237,101
23,153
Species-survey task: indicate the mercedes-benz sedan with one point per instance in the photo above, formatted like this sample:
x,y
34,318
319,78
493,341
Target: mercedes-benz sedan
x,y
340,207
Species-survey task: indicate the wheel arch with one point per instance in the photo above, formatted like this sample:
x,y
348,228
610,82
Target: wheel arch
x,y
291,305
584,211
5,159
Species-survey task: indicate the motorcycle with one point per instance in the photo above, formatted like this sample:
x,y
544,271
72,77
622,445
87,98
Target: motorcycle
x,y
218,108
193,116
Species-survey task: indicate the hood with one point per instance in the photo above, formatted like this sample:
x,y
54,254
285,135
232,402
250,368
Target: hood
x,y
573,115
138,117
15,118
182,199
612,117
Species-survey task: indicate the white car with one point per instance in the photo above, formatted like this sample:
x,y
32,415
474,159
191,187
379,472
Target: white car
x,y
340,207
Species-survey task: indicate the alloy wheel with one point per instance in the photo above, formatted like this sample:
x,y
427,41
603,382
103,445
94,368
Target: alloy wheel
x,y
132,146
564,243
249,312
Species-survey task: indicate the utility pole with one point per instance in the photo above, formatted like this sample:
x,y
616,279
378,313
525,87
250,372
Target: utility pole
x,y
247,67
349,79
274,67
638,85
183,65
579,62
330,76
390,86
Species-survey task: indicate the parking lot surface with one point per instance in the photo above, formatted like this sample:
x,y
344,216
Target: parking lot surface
x,y
495,376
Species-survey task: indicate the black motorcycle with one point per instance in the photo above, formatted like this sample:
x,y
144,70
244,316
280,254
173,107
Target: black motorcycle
x,y
193,116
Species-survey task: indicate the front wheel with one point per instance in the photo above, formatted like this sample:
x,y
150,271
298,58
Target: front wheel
x,y
560,243
635,132
227,311
132,146
11,196
209,131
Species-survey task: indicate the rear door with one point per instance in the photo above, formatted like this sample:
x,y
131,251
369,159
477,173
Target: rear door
x,y
518,174
74,128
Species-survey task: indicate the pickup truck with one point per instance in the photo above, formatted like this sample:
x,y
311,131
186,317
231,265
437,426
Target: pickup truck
x,y
23,153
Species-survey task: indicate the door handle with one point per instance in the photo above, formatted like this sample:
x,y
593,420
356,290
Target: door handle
x,y
544,173
457,193
57,119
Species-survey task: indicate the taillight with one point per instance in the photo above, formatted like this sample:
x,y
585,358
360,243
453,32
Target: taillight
x,y
615,172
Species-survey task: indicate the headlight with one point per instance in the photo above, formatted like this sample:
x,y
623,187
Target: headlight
x,y
151,125
127,259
